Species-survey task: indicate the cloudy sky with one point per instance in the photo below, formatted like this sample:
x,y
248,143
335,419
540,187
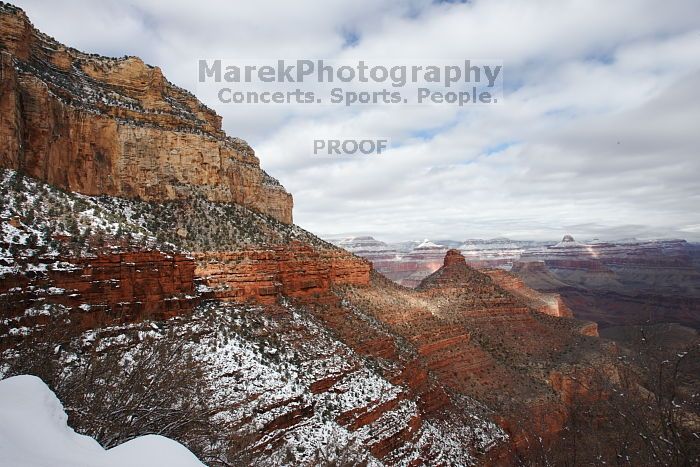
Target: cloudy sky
x,y
598,134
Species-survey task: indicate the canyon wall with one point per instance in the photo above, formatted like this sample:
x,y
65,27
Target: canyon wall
x,y
548,303
103,290
296,270
104,126
478,337
419,374
611,283
618,284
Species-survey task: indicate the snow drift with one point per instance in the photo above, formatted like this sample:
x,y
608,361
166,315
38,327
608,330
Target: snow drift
x,y
34,432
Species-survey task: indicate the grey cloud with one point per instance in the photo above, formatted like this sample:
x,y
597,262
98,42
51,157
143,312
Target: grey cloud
x,y
603,121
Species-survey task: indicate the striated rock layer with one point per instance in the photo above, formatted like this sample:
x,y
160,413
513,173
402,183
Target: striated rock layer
x,y
634,282
263,275
102,290
479,340
548,303
417,376
104,126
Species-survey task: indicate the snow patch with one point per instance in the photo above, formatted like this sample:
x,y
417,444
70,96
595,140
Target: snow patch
x,y
34,432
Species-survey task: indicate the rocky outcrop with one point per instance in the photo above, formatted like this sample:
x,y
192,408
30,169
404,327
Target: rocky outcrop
x,y
455,273
480,336
589,328
103,290
405,264
295,270
454,258
548,303
103,126
417,376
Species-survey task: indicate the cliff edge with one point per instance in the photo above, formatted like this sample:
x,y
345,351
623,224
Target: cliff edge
x,y
116,126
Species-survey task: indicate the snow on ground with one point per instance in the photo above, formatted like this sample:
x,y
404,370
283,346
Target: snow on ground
x,y
35,216
40,222
34,433
261,366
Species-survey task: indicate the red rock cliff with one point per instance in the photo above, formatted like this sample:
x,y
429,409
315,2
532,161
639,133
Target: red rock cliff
x,y
548,303
477,335
102,290
295,270
99,125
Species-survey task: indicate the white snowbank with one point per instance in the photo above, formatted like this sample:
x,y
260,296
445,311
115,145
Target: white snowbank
x,y
34,433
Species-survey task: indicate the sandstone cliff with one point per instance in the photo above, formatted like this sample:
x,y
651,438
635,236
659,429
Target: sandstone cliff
x,y
99,291
548,303
296,271
99,125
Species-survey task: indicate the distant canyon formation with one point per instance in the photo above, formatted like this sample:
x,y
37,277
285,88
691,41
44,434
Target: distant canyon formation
x,y
611,283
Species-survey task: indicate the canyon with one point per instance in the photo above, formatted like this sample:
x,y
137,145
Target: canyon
x,y
612,283
138,239
106,289
296,271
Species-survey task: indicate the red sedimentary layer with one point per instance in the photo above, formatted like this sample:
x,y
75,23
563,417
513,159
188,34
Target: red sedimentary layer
x,y
366,339
576,263
296,270
548,303
390,435
308,275
118,288
454,258
475,334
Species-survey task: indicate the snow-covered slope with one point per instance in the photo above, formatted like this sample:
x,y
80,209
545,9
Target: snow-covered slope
x,y
34,433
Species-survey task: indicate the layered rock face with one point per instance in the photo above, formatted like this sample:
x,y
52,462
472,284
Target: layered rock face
x,y
384,257
493,253
622,283
404,266
479,340
324,381
103,126
409,263
303,342
421,261
548,303
295,270
104,290
611,283
603,258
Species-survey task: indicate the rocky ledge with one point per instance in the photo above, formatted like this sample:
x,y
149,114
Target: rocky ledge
x,y
295,270
103,290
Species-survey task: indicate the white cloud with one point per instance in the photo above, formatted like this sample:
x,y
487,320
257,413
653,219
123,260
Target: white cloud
x,y
597,132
